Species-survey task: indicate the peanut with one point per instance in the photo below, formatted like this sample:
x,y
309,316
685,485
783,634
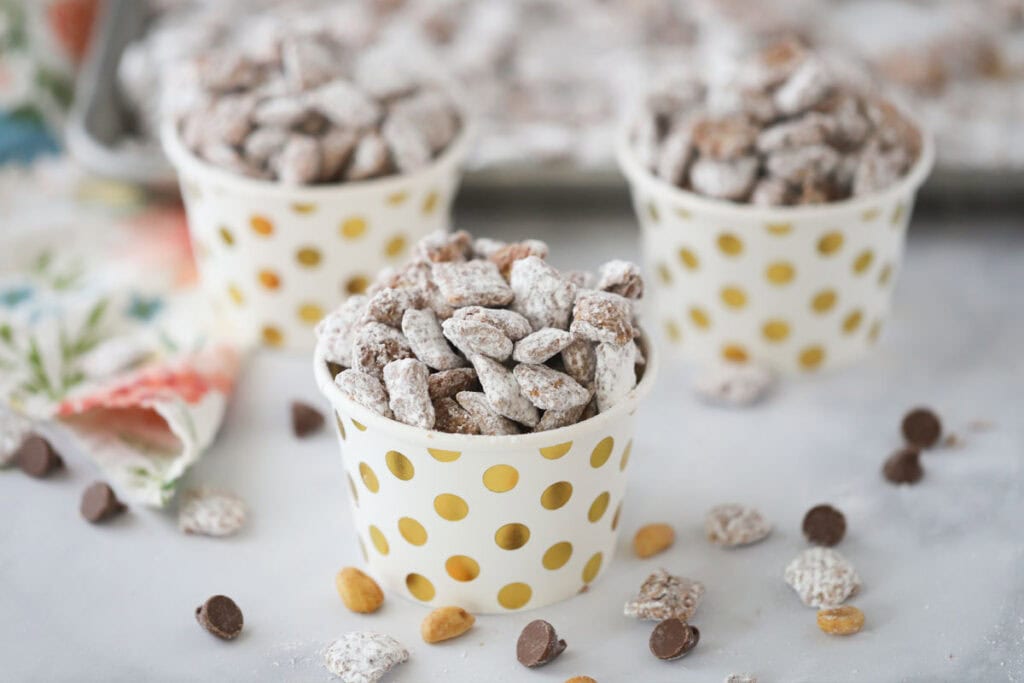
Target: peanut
x,y
358,591
445,623
841,621
653,539
580,679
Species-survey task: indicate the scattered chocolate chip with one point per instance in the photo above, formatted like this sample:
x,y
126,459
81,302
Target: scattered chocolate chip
x,y
99,503
306,419
922,428
538,644
824,525
904,466
220,616
37,458
673,638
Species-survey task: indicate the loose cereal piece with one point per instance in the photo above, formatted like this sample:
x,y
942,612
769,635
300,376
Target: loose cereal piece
x,y
622,278
473,283
445,623
664,596
904,466
800,163
14,429
541,294
806,87
448,383
485,247
675,155
364,389
824,525
812,128
841,621
731,525
921,427
538,644
452,418
741,678
472,337
849,125
541,346
338,327
724,179
426,339
307,63
772,192
549,389
369,159
336,148
409,397
263,143
389,305
652,539
673,638
615,374
409,149
503,392
822,577
230,120
345,105
488,421
878,169
734,385
359,592
306,419
602,317
511,323
220,616
363,656
280,112
442,247
510,253
374,345
553,419
211,513
724,139
299,161
580,360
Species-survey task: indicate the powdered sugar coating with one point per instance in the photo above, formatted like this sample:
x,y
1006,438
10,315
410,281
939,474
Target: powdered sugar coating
x,y
542,296
557,417
549,389
211,513
364,389
448,383
741,678
622,278
473,283
724,179
580,360
503,392
408,393
375,345
426,339
514,325
487,419
452,418
664,596
389,305
614,373
822,577
472,337
363,656
732,525
541,346
602,317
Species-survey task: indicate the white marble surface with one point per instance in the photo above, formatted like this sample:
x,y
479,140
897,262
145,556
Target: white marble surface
x,y
942,562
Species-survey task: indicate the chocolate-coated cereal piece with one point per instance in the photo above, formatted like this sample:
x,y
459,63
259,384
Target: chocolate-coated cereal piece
x,y
409,397
741,678
622,278
364,389
369,159
363,656
921,427
724,139
824,525
299,161
675,155
805,87
452,418
426,339
503,392
337,329
615,373
344,105
374,345
390,304
211,513
99,503
731,525
36,457
549,389
473,283
477,338
541,346
514,325
409,149
508,254
220,616
306,419
724,179
538,644
602,317
904,466
580,361
673,638
336,148
663,595
555,418
488,421
448,383
542,296
443,247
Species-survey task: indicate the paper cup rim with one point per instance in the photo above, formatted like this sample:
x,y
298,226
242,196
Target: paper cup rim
x,y
911,181
516,442
185,161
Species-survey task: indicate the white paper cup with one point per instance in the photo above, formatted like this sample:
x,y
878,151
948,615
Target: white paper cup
x,y
274,259
492,524
800,289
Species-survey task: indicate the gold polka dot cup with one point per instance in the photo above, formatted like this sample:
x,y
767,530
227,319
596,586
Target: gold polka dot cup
x,y
274,259
494,524
801,289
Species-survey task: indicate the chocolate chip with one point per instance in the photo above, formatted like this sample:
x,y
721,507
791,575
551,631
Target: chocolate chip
x,y
99,503
824,525
673,638
538,644
37,458
904,466
220,616
306,419
922,428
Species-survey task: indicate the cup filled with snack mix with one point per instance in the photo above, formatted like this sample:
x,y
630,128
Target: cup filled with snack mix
x,y
773,208
305,170
484,405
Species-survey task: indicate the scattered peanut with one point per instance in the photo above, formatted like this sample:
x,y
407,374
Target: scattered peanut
x,y
841,621
580,679
445,623
653,539
358,591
